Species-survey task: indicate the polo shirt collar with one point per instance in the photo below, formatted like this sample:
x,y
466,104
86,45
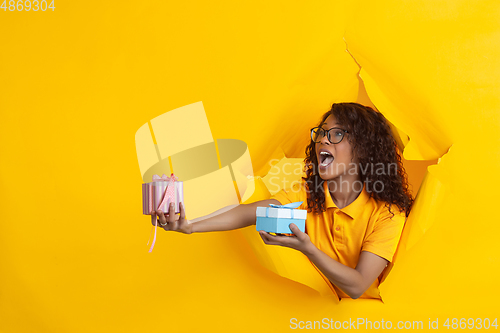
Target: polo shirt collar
x,y
354,209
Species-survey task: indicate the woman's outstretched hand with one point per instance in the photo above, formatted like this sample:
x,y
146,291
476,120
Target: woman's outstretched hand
x,y
172,221
300,242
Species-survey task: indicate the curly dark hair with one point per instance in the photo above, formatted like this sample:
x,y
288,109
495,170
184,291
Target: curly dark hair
x,y
372,142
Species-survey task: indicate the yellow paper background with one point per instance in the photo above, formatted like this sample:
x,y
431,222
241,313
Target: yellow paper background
x,y
77,83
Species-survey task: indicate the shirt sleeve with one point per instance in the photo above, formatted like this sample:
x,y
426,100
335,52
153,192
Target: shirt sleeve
x,y
383,240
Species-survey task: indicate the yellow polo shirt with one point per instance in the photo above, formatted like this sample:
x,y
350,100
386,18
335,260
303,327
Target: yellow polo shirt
x,y
364,225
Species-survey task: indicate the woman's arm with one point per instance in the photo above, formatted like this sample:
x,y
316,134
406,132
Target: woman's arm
x,y
227,218
353,282
230,217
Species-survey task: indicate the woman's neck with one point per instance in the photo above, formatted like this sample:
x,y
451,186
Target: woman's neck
x,y
345,189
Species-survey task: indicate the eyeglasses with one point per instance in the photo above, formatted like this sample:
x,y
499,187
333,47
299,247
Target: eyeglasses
x,y
317,133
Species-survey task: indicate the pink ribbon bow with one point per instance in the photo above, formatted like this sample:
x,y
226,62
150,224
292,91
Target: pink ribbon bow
x,y
168,196
163,178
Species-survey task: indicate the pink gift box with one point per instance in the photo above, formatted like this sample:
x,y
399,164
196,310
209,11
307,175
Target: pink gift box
x,y
153,194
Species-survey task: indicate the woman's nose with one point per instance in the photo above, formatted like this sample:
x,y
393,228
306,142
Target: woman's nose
x,y
324,139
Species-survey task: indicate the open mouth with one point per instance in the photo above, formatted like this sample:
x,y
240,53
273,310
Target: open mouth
x,y
325,158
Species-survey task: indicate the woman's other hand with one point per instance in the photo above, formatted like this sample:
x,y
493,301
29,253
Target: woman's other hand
x,y
173,221
300,242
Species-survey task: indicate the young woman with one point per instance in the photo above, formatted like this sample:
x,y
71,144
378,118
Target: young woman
x,y
355,191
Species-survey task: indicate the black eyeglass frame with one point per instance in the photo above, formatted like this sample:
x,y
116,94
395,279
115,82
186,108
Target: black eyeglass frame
x,y
327,133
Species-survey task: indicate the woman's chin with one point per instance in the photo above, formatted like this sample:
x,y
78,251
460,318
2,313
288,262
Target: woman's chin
x,y
325,174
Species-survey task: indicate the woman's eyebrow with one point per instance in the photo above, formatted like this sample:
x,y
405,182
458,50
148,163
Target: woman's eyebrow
x,y
333,124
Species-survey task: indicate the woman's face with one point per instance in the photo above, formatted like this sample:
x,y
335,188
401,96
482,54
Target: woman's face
x,y
334,160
